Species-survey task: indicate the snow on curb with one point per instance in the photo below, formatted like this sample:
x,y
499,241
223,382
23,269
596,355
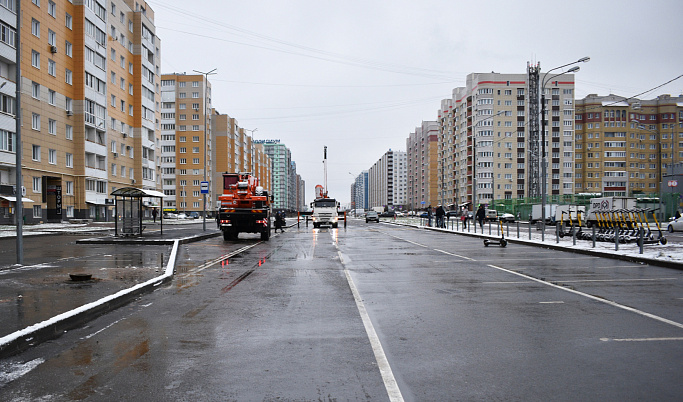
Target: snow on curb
x,y
670,255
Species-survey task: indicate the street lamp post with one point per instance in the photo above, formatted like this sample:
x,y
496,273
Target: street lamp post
x,y
544,158
206,133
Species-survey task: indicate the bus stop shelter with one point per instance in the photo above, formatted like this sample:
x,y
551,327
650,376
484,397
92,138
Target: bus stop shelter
x,y
128,210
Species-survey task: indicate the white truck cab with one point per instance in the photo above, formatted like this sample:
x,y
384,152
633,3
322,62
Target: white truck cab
x,y
325,212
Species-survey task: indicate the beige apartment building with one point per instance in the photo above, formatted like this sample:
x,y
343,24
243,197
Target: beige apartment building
x,y
423,160
186,143
627,146
484,143
89,106
235,151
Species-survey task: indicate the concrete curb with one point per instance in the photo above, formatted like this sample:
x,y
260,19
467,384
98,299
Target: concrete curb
x,y
595,253
54,327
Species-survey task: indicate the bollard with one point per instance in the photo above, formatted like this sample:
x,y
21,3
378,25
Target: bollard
x,y
346,219
482,230
641,238
593,236
518,229
557,233
529,230
616,238
508,229
574,235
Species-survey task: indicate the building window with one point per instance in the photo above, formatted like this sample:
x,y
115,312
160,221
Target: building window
x,y
52,126
35,121
37,185
52,156
195,94
37,211
195,128
35,153
35,90
68,76
195,161
69,164
35,27
35,59
52,9
51,67
67,48
68,21
69,132
51,37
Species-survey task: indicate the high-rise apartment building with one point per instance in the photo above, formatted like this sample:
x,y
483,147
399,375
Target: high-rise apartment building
x,y
186,143
627,146
387,181
360,192
484,142
89,105
423,164
283,184
235,151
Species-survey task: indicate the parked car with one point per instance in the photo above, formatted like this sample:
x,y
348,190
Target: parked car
x,y
371,216
675,225
388,214
170,215
193,215
424,215
452,214
507,217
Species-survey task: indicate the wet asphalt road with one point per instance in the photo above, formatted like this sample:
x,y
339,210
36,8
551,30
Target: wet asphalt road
x,y
453,321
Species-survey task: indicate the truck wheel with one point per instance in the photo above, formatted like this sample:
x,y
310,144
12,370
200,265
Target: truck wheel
x,y
226,235
335,225
229,234
265,235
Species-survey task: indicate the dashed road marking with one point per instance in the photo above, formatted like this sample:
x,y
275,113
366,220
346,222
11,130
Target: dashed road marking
x,y
454,255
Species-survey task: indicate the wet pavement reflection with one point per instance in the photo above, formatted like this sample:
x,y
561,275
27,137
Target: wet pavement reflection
x,y
33,293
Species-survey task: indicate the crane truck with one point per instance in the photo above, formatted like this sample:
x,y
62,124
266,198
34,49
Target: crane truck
x,y
244,207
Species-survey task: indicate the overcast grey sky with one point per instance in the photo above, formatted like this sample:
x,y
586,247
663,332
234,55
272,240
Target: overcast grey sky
x,y
359,76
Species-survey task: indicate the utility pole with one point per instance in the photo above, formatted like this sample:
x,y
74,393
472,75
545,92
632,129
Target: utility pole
x,y
19,194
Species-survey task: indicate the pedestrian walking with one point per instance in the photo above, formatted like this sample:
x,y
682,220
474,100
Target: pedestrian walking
x,y
463,218
154,214
440,212
480,216
429,215
278,221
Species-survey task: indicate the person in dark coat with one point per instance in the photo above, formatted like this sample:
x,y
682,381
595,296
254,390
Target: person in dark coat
x,y
429,215
278,221
154,214
440,212
481,215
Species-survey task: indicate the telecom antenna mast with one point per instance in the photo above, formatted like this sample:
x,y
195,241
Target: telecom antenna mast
x,y
534,160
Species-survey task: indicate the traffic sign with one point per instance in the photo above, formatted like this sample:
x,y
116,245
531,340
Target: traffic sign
x,y
673,183
204,187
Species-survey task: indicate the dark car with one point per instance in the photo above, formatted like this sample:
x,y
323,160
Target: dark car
x,y
193,215
388,214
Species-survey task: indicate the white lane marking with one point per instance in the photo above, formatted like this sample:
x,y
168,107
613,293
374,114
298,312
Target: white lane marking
x,y
454,255
609,302
640,339
14,371
619,280
103,329
382,361
552,302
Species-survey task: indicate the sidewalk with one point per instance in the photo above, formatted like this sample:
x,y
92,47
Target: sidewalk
x,y
34,297
669,255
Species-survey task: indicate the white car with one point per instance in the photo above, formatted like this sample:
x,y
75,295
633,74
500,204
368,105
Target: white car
x,y
675,225
507,217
